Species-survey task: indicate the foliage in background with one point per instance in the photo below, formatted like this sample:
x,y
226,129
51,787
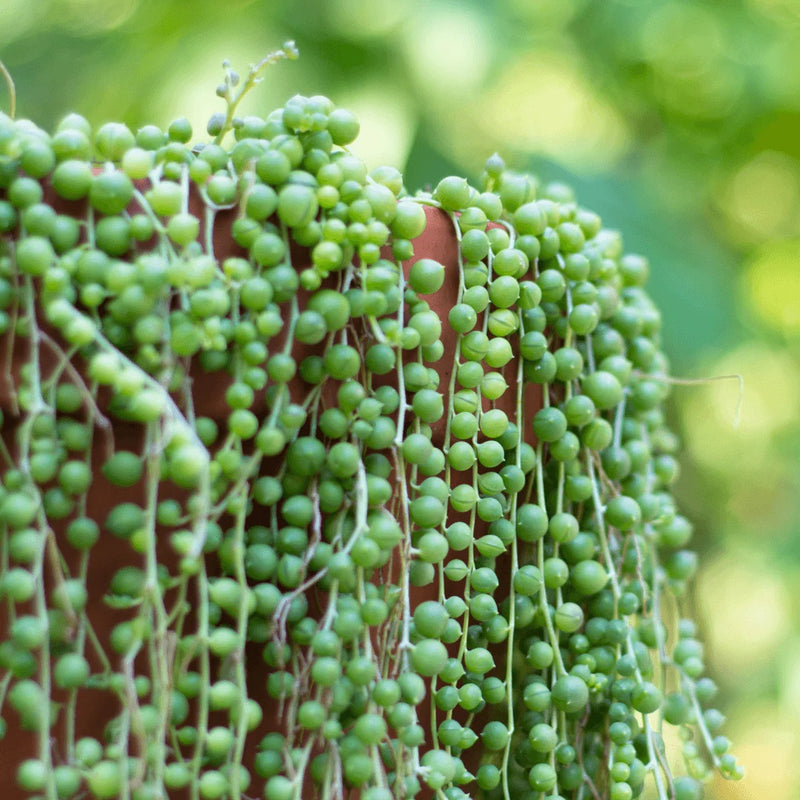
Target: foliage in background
x,y
678,121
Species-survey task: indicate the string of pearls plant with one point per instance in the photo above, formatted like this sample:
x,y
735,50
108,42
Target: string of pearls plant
x,y
553,648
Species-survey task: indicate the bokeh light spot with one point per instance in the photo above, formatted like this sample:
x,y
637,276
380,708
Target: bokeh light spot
x,y
782,10
779,67
771,285
738,593
448,50
545,104
681,39
790,674
361,19
762,198
89,17
552,14
685,46
18,17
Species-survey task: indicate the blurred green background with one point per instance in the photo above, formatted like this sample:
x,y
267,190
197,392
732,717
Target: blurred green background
x,y
677,120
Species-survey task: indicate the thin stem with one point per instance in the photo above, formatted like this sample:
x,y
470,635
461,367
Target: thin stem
x,y
12,90
288,51
652,749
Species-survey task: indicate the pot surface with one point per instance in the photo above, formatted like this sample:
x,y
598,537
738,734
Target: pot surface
x,y
438,242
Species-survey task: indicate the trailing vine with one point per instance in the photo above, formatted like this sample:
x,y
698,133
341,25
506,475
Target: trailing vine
x,y
367,542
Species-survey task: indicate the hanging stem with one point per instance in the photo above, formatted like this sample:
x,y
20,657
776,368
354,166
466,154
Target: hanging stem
x,y
12,90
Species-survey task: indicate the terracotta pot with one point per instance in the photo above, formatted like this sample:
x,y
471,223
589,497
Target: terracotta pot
x,y
94,710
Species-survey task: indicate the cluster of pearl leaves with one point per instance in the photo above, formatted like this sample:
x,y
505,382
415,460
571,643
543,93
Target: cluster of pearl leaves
x,y
555,649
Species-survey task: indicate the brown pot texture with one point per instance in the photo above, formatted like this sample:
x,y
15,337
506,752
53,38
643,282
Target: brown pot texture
x,y
438,242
